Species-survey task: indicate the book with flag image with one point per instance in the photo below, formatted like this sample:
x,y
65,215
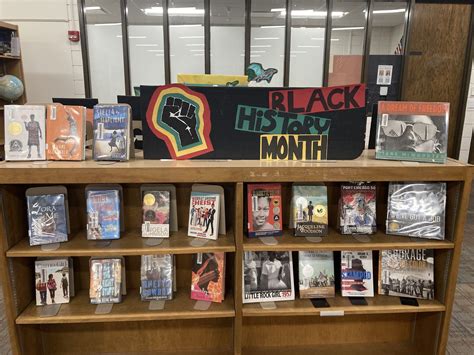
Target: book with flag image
x,y
357,274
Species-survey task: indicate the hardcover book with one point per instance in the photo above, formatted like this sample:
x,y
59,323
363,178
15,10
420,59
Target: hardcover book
x,y
417,210
316,274
203,215
407,273
25,134
105,280
357,274
65,132
208,277
357,213
416,131
53,282
156,214
156,277
264,210
103,214
267,276
310,210
111,132
47,219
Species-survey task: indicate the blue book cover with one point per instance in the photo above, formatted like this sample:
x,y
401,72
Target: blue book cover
x,y
156,277
103,214
111,132
47,219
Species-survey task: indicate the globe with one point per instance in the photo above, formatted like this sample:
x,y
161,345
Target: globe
x,y
11,88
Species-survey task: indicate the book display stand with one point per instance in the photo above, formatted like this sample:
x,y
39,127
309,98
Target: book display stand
x,y
384,325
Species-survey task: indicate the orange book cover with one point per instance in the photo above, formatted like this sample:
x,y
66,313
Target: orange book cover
x,y
65,132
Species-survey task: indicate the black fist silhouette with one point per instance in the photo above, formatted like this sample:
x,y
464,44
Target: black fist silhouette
x,y
181,116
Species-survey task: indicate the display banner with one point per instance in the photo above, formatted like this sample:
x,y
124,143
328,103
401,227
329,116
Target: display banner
x,y
258,123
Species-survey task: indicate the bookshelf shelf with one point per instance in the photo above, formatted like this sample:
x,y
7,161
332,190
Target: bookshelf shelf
x,y
9,57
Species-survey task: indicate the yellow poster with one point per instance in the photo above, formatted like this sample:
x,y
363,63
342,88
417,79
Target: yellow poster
x,y
212,80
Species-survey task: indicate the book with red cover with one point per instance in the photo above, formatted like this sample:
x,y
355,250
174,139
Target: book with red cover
x,y
264,210
208,277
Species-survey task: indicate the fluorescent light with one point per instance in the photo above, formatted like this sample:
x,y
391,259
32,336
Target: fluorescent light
x,y
185,25
198,54
347,28
191,37
108,24
273,26
298,52
265,38
309,46
393,11
158,10
278,10
310,13
196,50
132,37
155,50
259,51
322,39
261,46
146,45
92,8
255,55
194,44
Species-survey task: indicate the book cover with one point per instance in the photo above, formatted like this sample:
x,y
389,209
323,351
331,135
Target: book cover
x,y
417,210
65,132
407,273
103,214
105,281
47,219
208,277
156,277
357,274
156,214
264,210
111,132
316,274
203,215
267,276
357,212
310,210
52,281
416,131
25,135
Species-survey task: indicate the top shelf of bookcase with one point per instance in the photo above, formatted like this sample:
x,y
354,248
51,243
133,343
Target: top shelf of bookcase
x,y
139,170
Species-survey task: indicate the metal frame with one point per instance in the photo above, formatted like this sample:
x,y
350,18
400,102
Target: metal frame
x,y
248,30
125,46
166,42
207,36
84,49
406,34
367,38
327,42
287,53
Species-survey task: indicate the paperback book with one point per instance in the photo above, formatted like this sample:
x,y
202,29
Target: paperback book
x,y
156,214
156,277
267,276
105,280
316,274
417,210
208,277
357,213
407,273
203,215
53,281
357,274
310,210
103,214
264,210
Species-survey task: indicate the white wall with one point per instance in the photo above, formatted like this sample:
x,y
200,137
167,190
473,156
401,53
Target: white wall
x,y
227,50
468,123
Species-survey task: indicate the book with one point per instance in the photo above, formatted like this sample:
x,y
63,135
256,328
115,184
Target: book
x,y
316,274
156,214
103,214
203,215
407,273
264,210
25,135
157,274
111,132
208,277
47,219
105,280
267,276
53,281
357,212
65,132
357,274
415,131
310,210
417,210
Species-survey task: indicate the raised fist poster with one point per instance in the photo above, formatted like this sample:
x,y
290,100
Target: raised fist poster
x,y
259,123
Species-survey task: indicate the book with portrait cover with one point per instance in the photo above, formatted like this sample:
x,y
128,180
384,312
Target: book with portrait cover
x,y
357,213
417,209
65,132
203,215
157,276
156,214
111,132
407,273
416,131
267,276
54,281
103,214
316,274
264,210
25,134
357,274
208,277
310,210
105,280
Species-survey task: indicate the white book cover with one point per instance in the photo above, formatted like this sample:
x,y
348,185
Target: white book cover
x,y
316,274
25,134
203,215
52,281
357,275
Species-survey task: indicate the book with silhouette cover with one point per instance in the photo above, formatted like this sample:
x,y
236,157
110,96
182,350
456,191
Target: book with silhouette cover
x,y
208,277
309,208
357,274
